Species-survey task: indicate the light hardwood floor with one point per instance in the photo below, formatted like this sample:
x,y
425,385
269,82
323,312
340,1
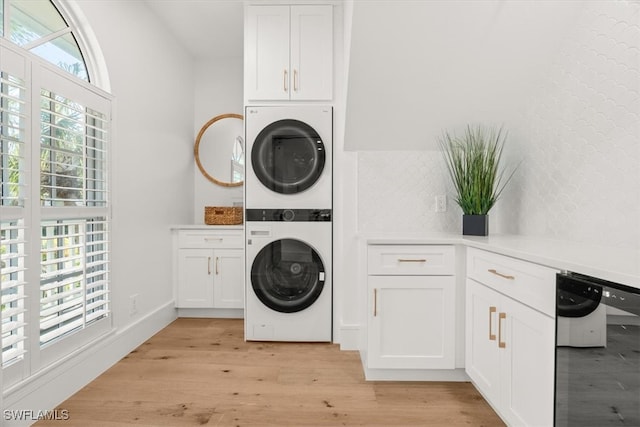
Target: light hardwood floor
x,y
202,372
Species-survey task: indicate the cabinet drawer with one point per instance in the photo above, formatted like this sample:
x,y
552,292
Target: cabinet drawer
x,y
411,260
531,284
210,239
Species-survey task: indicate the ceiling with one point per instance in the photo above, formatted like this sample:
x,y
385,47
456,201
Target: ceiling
x,y
208,29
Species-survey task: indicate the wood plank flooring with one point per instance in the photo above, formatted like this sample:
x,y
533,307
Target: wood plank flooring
x,y
202,372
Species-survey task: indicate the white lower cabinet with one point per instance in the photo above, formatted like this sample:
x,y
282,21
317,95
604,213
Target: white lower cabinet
x,y
411,319
412,322
510,346
210,269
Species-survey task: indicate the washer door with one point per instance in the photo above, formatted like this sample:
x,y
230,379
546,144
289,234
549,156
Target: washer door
x,y
287,275
288,156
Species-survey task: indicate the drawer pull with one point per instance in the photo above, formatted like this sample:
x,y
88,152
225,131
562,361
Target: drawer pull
x,y
213,239
375,302
209,266
411,260
501,317
492,336
497,273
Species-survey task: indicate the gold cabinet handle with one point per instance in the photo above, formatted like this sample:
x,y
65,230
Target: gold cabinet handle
x,y
295,80
209,266
497,273
411,260
492,336
217,269
284,81
501,317
213,239
375,302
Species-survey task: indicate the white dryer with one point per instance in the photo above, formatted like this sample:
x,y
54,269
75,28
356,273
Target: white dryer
x,y
289,150
288,275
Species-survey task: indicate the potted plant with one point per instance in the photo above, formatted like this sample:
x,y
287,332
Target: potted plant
x,y
473,162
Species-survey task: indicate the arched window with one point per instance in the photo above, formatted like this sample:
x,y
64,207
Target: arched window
x,y
38,26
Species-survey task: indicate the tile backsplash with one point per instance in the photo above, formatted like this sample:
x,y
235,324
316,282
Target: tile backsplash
x,y
578,138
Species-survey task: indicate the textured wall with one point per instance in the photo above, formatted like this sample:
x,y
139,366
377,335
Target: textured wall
x,y
578,137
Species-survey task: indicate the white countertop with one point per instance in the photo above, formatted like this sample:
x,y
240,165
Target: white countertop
x,y
206,227
609,263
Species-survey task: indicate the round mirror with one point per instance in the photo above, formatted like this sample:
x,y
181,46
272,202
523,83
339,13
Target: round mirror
x,y
219,150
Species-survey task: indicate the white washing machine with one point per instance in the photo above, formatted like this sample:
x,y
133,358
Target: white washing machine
x,y
289,150
288,275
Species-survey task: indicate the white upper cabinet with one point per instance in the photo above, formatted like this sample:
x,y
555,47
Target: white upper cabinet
x,y
289,53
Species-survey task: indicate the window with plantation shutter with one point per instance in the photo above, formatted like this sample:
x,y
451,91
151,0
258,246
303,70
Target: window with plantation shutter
x,y
74,232
54,214
54,192
13,124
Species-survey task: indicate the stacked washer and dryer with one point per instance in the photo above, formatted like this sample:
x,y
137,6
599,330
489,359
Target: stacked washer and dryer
x,y
288,223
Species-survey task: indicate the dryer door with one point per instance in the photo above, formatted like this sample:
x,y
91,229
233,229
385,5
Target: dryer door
x,y
288,156
287,275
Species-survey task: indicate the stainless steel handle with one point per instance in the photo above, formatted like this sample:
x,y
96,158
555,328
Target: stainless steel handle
x,y
295,80
217,269
213,239
492,336
209,266
375,302
501,317
411,260
497,273
285,83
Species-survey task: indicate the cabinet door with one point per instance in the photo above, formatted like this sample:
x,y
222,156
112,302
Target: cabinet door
x,y
528,365
267,75
482,357
311,52
195,278
411,322
228,285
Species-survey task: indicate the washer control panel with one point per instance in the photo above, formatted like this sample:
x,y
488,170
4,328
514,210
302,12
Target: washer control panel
x,y
289,215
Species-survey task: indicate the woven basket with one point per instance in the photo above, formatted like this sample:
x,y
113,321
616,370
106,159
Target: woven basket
x,y
222,215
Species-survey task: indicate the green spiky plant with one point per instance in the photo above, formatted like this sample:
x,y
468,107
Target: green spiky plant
x,y
473,162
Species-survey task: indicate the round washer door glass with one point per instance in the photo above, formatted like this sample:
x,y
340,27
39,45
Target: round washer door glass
x,y
288,156
287,275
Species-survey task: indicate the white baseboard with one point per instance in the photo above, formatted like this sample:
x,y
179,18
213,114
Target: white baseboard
x,y
48,388
221,313
349,337
449,375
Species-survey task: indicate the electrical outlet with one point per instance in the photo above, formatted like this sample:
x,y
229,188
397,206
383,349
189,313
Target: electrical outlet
x,y
133,305
441,203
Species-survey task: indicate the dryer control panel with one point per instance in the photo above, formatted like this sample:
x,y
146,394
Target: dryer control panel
x,y
289,215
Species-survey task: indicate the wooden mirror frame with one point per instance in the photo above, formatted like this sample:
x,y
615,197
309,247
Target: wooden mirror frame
x,y
196,150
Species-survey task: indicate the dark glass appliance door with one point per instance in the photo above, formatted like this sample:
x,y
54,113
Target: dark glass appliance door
x,y
288,156
287,275
599,385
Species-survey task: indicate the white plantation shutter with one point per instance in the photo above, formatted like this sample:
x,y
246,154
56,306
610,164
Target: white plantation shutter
x,y
74,281
12,270
12,138
14,122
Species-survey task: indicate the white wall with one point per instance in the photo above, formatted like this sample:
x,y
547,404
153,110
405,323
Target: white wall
x,y
152,80
576,129
218,90
418,67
